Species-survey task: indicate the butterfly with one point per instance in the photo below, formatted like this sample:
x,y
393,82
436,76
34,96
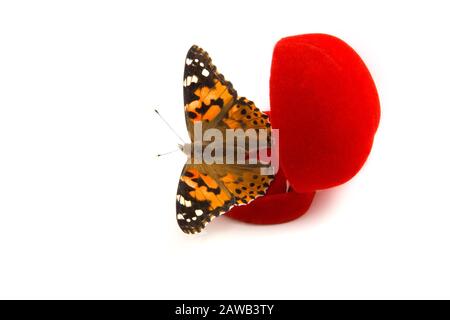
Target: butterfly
x,y
206,191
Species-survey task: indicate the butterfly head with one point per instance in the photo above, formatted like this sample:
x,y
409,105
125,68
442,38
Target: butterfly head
x,y
186,149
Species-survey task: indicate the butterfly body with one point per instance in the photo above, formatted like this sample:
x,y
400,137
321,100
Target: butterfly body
x,y
208,189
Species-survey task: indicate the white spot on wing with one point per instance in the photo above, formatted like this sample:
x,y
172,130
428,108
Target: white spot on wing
x,y
188,61
205,72
180,216
198,212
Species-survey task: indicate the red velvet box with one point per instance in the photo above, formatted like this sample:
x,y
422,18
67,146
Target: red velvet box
x,y
325,104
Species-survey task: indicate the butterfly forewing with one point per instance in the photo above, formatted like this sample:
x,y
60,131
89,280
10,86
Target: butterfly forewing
x,y
207,95
200,198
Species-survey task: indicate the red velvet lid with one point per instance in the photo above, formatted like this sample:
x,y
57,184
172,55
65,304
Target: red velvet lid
x,y
325,104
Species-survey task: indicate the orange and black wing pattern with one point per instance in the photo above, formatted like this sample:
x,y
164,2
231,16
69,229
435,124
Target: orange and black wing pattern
x,y
204,194
245,183
245,115
207,95
200,199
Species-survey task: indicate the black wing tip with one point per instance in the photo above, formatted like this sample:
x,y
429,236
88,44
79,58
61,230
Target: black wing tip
x,y
195,47
197,50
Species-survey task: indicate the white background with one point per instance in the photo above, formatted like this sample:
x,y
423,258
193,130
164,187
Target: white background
x,y
87,211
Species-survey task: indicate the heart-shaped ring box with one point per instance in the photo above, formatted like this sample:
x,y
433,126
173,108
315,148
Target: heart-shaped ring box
x,y
325,105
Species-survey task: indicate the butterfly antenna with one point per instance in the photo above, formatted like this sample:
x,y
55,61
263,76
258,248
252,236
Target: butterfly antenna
x,y
169,126
165,153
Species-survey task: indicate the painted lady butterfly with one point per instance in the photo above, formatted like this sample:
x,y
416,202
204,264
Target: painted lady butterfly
x,y
206,191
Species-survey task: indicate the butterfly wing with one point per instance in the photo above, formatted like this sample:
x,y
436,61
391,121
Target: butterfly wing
x,y
207,95
200,198
208,191
211,99
244,182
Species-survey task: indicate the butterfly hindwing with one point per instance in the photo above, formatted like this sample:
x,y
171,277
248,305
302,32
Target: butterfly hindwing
x,y
245,183
245,115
